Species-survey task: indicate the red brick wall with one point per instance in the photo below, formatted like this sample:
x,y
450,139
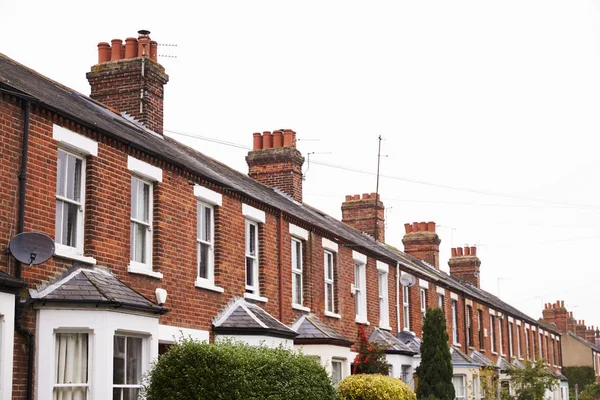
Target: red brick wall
x,y
365,214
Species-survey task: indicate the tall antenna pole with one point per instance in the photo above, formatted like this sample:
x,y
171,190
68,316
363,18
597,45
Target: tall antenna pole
x,y
377,189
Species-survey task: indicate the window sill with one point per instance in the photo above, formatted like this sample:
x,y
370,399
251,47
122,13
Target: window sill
x,y
300,307
254,297
208,286
482,350
143,270
502,355
494,353
362,321
456,344
332,315
64,253
385,327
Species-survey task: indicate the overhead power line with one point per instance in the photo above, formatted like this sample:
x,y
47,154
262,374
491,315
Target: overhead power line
x,y
400,178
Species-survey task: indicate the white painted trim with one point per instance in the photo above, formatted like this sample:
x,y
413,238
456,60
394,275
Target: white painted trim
x,y
35,294
356,256
362,321
74,141
7,329
385,327
511,319
469,302
144,169
453,296
423,283
252,315
171,334
142,269
298,232
332,315
208,196
545,333
253,214
518,323
204,284
254,297
329,245
383,267
62,251
533,328
440,290
527,325
499,314
551,336
492,312
300,307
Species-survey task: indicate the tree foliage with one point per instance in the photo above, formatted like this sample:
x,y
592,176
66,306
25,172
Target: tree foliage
x,y
370,358
591,392
532,381
582,376
435,370
374,387
235,371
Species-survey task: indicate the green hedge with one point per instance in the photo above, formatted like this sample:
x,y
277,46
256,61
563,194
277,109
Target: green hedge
x,y
228,371
582,376
374,387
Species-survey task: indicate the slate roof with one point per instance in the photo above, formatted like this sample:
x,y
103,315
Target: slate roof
x,y
460,359
42,90
502,364
481,359
311,330
390,343
93,285
10,284
241,317
410,340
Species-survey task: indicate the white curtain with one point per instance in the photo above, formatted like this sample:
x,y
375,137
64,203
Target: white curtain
x,y
71,357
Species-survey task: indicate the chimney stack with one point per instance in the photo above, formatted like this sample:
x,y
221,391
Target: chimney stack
x,y
275,162
557,314
129,79
464,264
365,214
422,242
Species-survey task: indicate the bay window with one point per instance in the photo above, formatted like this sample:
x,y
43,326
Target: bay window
x,y
71,366
127,367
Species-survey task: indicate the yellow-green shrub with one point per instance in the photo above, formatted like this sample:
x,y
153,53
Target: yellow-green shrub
x,y
374,387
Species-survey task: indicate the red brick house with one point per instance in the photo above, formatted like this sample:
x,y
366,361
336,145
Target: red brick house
x,y
136,215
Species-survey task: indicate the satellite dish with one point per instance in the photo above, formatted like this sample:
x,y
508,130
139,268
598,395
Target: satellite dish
x,y
31,248
408,280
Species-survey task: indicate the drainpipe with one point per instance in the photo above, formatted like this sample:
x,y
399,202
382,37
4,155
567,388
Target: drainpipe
x,y
280,261
21,303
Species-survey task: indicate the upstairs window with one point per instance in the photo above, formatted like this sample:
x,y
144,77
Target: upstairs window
x,y
527,350
328,262
469,326
441,301
205,242
141,221
384,309
492,334
70,184
518,341
252,257
501,346
360,292
480,328
454,322
297,284
406,307
423,296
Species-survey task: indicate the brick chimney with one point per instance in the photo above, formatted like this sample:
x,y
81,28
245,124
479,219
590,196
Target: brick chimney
x,y
421,241
590,334
557,314
275,162
580,328
464,264
129,79
365,214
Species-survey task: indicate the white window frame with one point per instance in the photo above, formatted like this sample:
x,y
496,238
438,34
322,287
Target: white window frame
x,y
143,361
329,261
406,307
480,331
492,335
441,301
464,388
501,345
297,262
360,288
469,320
476,387
511,352
384,307
527,350
519,342
63,250
209,281
454,321
252,288
423,298
86,385
340,363
138,266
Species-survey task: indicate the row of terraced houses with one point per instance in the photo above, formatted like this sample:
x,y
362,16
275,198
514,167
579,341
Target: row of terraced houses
x,y
155,240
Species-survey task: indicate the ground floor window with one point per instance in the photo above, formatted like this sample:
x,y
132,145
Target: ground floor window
x,y
127,367
459,387
71,365
337,367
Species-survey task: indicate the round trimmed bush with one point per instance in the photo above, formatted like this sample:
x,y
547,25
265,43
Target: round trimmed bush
x,y
235,371
374,387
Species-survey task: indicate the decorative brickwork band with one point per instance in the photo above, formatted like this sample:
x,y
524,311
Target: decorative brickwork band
x,y
275,162
365,214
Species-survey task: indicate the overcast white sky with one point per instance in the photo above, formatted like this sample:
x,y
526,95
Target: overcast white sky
x,y
498,98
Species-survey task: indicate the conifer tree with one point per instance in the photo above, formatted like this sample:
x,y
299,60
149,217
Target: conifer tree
x,y
435,371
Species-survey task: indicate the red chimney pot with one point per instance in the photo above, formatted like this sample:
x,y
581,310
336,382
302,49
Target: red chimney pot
x,y
103,52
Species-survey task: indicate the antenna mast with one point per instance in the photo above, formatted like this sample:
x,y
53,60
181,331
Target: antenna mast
x,y
377,189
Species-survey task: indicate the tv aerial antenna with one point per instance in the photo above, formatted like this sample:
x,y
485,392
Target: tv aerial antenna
x,y
31,248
